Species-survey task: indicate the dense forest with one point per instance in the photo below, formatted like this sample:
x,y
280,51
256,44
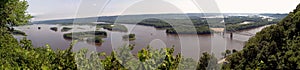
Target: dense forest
x,y
201,25
275,47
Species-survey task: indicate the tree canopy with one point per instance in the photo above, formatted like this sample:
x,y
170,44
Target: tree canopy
x,y
13,12
275,47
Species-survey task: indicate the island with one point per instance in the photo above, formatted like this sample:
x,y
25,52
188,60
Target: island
x,y
65,29
113,27
129,37
96,39
53,28
90,36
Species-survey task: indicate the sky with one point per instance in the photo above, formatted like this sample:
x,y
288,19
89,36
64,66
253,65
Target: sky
x,y
62,9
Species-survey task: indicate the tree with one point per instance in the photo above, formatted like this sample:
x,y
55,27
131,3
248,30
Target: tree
x,y
203,61
274,47
13,12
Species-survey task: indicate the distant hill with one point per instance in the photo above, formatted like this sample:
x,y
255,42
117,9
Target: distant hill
x,y
275,15
163,16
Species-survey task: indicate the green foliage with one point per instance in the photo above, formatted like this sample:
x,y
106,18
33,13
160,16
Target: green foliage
x,y
189,30
122,59
22,55
236,27
241,19
13,12
226,53
18,32
207,62
91,63
275,47
201,26
87,34
90,36
157,23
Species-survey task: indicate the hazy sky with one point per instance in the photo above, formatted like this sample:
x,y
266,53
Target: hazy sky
x,y
58,9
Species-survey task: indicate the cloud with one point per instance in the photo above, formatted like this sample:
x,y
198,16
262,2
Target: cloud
x,y
50,9
257,6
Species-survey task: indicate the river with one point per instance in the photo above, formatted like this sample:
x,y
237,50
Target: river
x,y
187,44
